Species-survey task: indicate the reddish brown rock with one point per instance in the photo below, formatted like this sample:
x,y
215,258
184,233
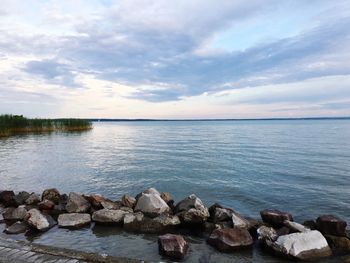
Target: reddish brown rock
x,y
331,225
275,217
230,239
339,245
173,246
128,201
46,205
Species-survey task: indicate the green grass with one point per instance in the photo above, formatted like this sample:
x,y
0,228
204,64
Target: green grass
x,y
15,124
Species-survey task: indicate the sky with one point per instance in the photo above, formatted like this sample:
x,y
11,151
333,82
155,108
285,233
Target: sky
x,y
179,59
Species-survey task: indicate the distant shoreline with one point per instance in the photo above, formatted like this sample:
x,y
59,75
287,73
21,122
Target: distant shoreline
x,y
252,119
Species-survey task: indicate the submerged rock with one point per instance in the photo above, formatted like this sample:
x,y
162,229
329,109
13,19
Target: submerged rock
x,y
230,239
16,228
7,198
173,246
275,217
12,213
74,220
77,204
33,199
331,225
51,194
128,201
304,246
39,221
151,205
106,216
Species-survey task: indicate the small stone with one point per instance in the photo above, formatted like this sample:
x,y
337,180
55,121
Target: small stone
x,y
173,246
151,205
73,220
106,216
275,217
33,199
331,225
51,194
46,205
7,198
230,239
128,201
77,204
39,221
16,228
12,213
267,233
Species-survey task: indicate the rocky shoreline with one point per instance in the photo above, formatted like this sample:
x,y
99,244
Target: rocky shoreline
x,y
156,213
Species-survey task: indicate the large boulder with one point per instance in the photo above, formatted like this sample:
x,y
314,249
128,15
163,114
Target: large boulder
x,y
16,228
7,198
39,221
77,204
310,245
51,194
73,220
32,199
128,201
230,239
12,213
331,225
173,246
151,205
21,197
339,245
275,217
106,216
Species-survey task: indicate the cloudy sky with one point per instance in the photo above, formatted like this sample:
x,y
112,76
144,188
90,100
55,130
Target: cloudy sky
x,y
175,59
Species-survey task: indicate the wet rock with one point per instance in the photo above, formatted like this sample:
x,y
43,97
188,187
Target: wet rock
x,y
173,246
12,213
304,246
77,204
106,216
46,205
33,199
39,221
151,205
74,220
133,221
128,201
111,205
51,194
275,217
7,198
339,245
295,227
16,228
21,197
331,225
267,234
230,239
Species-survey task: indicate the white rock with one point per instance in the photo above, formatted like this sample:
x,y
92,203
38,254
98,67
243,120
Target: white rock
x,y
73,220
296,226
37,220
151,205
106,216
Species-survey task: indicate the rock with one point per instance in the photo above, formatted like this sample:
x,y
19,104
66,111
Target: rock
x,y
311,224
46,205
167,197
188,203
21,197
219,213
133,221
51,194
12,213
209,227
339,245
16,228
106,216
128,201
111,205
126,209
96,200
151,205
230,239
254,225
267,234
39,221
33,199
73,220
147,191
304,246
7,198
77,204
275,217
173,246
283,231
295,227
194,216
331,225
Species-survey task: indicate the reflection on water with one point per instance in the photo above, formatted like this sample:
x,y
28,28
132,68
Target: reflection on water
x,y
299,166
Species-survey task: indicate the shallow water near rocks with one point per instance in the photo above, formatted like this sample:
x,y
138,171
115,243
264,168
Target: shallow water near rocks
x,y
300,166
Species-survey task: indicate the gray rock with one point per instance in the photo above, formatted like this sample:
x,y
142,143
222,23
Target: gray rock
x,y
12,213
73,220
21,197
39,221
133,221
16,228
188,203
151,205
194,216
33,199
51,194
173,246
111,205
128,201
230,239
77,204
106,216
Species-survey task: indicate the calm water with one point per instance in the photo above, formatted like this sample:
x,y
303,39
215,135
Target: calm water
x,y
302,167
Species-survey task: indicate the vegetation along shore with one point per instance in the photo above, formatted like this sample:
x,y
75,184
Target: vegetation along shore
x,y
156,213
17,124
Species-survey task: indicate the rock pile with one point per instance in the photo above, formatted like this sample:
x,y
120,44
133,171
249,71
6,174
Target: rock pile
x,y
155,212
